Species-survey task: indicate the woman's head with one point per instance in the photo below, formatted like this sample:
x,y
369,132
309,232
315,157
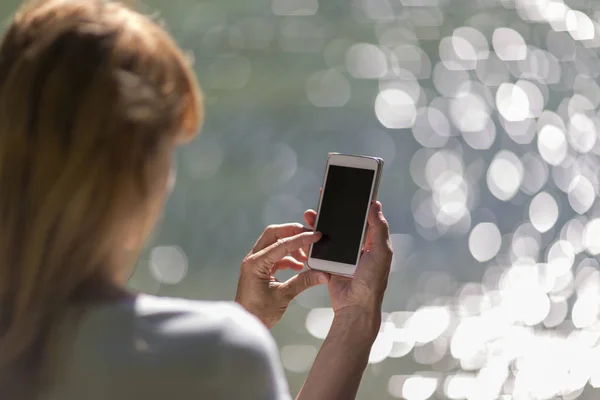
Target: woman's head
x,y
93,99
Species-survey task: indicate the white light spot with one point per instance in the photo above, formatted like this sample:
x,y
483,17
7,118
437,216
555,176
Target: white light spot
x,y
457,54
512,102
485,241
579,104
383,344
505,175
448,82
572,232
591,236
560,257
550,118
469,112
459,386
418,163
298,358
402,245
509,45
536,174
395,109
431,127
536,309
483,139
402,80
555,13
413,59
328,89
579,25
552,144
535,97
450,194
168,264
478,48
557,314
440,164
581,194
318,322
403,343
428,323
585,311
366,61
543,212
582,133
419,387
522,132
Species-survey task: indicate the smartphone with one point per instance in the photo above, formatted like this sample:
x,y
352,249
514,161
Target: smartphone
x,y
349,187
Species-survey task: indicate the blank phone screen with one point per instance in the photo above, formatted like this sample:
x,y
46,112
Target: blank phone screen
x,y
342,215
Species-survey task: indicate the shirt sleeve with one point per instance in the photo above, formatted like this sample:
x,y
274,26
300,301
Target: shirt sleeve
x,y
251,364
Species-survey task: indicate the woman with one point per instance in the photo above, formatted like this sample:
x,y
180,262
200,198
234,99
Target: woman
x,y
94,99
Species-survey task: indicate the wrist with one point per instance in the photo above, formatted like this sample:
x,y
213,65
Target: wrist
x,y
359,322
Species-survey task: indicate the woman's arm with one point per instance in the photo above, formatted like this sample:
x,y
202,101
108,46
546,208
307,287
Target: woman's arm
x,y
339,366
356,302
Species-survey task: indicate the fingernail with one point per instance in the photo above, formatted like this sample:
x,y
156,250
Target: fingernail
x,y
378,205
323,279
318,234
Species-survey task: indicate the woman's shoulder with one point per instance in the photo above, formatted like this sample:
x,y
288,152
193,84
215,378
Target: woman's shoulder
x,y
176,327
180,317
224,337
186,346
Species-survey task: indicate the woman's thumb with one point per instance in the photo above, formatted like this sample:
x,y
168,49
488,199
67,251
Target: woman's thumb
x,y
299,283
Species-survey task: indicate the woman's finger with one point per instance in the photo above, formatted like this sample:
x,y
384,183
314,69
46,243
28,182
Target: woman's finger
x,y
380,250
273,233
310,217
378,225
301,254
369,239
287,262
283,247
299,283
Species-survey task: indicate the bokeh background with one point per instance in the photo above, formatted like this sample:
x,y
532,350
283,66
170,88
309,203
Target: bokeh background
x,y
486,112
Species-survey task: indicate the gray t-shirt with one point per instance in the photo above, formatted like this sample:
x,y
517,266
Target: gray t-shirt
x,y
157,348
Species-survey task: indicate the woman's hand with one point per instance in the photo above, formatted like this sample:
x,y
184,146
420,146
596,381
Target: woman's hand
x,y
363,295
279,247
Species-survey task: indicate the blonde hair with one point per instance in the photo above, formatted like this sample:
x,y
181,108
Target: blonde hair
x,y
93,97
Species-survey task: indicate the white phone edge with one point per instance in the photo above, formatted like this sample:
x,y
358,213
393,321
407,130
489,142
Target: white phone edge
x,y
350,160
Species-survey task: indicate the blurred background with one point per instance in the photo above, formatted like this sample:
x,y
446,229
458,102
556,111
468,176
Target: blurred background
x,y
486,112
